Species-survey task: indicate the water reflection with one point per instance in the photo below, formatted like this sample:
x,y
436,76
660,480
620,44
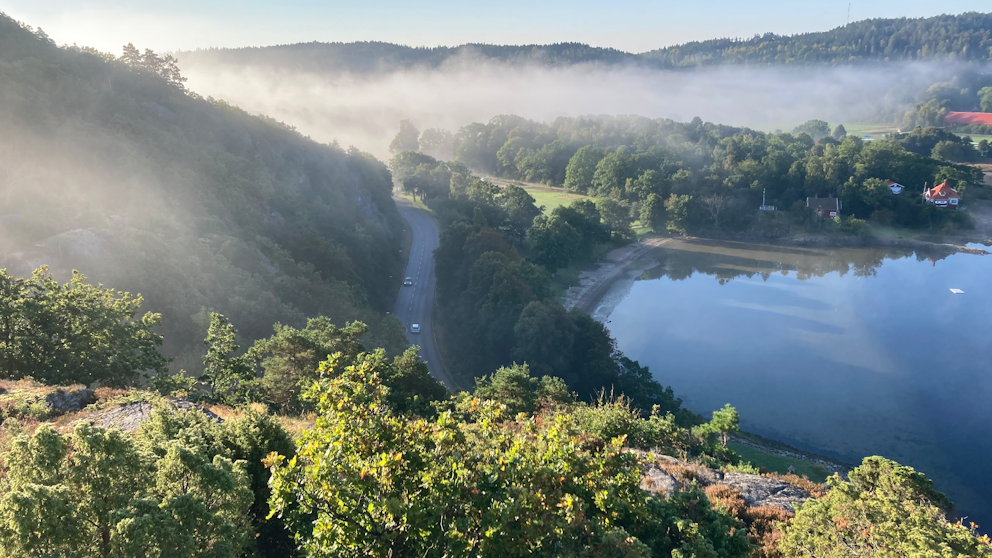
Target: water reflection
x,y
729,260
849,352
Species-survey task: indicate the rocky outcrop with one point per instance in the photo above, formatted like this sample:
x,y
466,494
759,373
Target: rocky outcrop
x,y
130,416
63,401
663,475
763,491
29,398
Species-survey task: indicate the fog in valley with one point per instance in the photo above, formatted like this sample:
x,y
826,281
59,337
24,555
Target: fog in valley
x,y
363,110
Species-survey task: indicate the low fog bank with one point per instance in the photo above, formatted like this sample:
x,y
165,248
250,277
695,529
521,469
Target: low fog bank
x,y
364,110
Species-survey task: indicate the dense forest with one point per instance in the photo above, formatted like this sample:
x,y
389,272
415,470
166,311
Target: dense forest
x,y
109,166
703,177
966,37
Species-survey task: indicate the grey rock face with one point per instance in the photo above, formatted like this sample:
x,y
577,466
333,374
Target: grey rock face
x,y
60,401
130,416
763,491
664,474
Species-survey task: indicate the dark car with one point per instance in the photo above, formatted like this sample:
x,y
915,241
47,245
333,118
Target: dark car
x,y
407,282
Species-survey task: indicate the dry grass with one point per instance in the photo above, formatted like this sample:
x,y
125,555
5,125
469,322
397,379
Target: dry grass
x,y
727,499
764,529
685,473
764,523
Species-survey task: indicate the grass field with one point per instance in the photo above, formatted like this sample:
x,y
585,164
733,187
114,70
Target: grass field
x,y
551,198
780,464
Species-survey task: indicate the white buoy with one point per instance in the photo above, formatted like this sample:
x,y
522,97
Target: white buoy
x,y
957,291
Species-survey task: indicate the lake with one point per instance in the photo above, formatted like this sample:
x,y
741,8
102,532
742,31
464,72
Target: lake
x,y
844,352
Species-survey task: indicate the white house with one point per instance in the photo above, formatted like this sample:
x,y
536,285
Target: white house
x,y
896,187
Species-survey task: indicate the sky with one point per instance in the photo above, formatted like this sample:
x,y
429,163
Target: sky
x,y
632,25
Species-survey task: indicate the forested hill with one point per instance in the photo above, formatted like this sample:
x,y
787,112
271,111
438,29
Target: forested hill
x,y
110,167
962,37
370,57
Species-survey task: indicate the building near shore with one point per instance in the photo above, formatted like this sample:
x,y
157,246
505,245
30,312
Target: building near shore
x,y
942,196
824,207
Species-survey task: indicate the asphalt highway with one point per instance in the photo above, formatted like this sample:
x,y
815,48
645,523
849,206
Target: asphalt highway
x,y
415,304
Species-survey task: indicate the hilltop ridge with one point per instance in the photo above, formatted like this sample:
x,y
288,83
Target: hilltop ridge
x,y
966,37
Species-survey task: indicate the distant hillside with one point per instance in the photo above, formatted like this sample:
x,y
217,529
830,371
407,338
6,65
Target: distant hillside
x,y
370,57
107,168
964,37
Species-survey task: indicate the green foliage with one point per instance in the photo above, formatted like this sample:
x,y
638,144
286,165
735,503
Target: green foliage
x,y
815,129
725,422
677,212
726,170
250,438
960,37
368,482
520,211
617,218
852,225
839,132
653,213
291,357
173,385
886,509
229,379
98,493
513,387
984,149
985,99
165,67
498,308
612,417
407,139
289,363
74,332
553,242
581,168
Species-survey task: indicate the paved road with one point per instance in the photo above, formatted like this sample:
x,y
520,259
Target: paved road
x,y
415,304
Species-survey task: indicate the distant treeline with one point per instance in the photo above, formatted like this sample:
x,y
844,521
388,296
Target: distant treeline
x,y
962,37
965,37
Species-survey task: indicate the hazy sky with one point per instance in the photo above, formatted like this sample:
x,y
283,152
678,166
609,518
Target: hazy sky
x,y
632,25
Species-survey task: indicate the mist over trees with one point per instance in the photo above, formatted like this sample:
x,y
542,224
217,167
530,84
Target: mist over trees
x,y
712,177
109,166
302,431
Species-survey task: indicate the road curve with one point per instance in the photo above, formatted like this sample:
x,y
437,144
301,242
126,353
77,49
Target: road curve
x,y
415,304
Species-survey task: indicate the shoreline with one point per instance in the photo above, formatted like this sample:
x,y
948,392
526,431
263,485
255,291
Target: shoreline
x,y
596,283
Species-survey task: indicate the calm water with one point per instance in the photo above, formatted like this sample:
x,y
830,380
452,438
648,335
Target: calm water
x,y
845,352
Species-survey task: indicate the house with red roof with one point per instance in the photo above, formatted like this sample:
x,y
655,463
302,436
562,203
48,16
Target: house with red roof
x,y
942,196
824,207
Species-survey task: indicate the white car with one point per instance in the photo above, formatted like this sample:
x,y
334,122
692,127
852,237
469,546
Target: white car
x,y
415,328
